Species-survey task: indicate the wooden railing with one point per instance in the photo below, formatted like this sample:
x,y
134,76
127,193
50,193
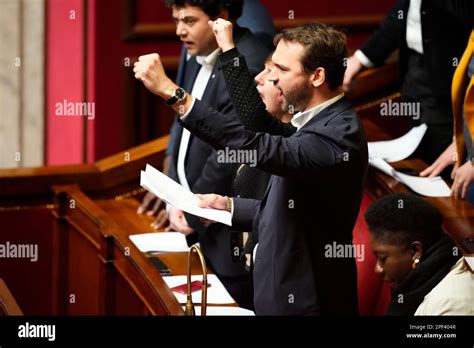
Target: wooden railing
x,y
81,216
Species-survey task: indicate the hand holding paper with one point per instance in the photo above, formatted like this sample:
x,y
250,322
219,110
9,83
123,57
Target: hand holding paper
x,y
176,195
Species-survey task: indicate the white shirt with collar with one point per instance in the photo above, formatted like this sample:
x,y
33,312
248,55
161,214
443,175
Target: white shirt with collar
x,y
301,118
413,36
207,65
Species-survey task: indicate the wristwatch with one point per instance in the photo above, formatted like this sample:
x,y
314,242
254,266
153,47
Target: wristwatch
x,y
179,95
229,204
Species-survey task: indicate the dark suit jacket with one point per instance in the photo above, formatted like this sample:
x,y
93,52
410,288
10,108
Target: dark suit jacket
x,y
312,200
204,173
446,25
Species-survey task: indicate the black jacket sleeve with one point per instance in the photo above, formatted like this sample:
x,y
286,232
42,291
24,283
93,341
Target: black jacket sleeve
x,y
386,38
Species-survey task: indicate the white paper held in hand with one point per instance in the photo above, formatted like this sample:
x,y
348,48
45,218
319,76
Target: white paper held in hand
x,y
176,195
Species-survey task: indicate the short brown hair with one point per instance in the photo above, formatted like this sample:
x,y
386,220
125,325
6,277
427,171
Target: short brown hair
x,y
212,7
326,48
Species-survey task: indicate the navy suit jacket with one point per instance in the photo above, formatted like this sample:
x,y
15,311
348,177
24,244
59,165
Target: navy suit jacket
x,y
312,201
203,171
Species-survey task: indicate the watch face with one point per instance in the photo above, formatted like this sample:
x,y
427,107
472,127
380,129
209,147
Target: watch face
x,y
180,93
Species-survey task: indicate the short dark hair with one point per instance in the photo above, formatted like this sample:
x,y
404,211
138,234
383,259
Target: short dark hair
x,y
403,218
212,7
326,48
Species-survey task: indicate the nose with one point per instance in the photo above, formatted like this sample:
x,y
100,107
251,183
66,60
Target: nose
x,y
259,79
180,29
378,268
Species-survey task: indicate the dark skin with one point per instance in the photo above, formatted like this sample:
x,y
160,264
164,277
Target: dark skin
x,y
395,261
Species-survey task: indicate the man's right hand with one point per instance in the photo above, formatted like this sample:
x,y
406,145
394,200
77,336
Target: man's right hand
x,y
446,159
354,66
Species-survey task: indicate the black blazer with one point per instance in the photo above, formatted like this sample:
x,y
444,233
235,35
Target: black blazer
x,y
312,200
446,25
204,173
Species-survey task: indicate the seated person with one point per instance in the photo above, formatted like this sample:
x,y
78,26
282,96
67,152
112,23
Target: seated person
x,y
463,101
424,266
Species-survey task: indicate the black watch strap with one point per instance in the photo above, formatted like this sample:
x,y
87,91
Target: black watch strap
x,y
172,100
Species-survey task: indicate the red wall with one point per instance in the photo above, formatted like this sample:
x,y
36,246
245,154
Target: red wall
x,y
90,67
64,72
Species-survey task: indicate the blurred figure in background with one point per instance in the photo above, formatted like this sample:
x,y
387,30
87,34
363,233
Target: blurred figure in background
x,y
428,57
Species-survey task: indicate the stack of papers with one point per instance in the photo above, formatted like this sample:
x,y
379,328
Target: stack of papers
x,y
160,242
216,292
176,195
381,152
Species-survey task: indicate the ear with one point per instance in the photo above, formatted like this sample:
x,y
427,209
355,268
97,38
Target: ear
x,y
416,249
318,77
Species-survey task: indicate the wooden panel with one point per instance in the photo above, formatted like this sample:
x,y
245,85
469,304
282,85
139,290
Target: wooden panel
x,y
99,257
127,302
85,247
83,276
28,226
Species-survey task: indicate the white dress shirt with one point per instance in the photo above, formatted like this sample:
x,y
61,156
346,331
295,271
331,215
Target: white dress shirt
x,y
413,36
301,118
198,90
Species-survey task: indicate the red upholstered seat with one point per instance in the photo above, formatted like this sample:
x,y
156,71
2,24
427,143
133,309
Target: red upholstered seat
x,y
374,293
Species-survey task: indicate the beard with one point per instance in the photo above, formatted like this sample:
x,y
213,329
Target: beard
x,y
297,97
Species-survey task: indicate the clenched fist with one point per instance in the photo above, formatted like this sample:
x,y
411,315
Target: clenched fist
x,y
223,32
150,71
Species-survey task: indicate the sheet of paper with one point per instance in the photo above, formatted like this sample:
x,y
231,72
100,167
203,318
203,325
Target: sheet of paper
x,y
430,187
160,241
380,164
216,293
224,311
400,148
176,195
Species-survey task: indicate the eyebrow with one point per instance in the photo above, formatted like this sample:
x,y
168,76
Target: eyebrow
x,y
279,66
185,18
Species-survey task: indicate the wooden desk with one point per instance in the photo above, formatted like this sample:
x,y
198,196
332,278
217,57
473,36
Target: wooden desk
x,y
87,264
